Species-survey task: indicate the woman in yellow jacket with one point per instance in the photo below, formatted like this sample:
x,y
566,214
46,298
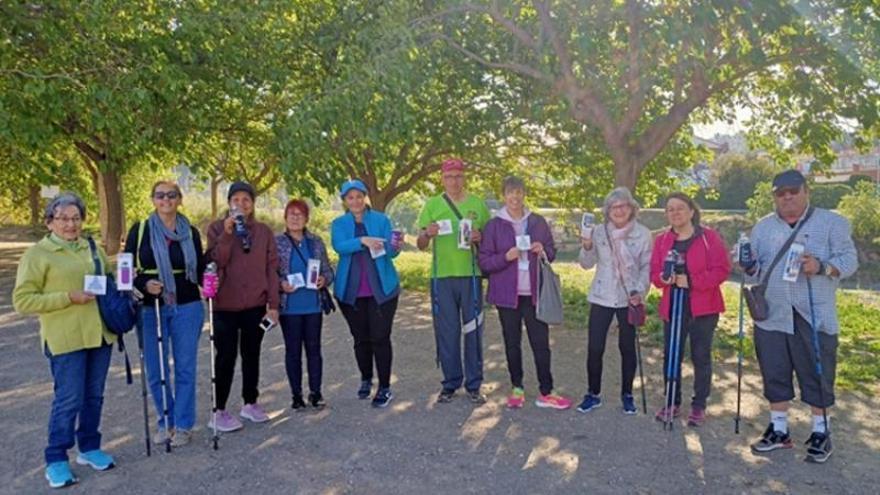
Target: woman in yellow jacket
x,y
49,283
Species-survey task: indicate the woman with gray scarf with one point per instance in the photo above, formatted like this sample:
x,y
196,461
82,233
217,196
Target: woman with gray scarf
x,y
169,262
620,249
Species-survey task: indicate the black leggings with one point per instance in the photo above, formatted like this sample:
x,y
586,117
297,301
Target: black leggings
x,y
600,321
370,325
539,339
230,329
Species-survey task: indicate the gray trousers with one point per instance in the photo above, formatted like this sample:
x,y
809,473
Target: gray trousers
x,y
453,305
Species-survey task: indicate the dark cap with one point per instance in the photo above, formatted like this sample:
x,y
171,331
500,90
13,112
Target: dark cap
x,y
241,186
789,178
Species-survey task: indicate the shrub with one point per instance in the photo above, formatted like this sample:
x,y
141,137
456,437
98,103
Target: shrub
x,y
828,195
761,202
862,208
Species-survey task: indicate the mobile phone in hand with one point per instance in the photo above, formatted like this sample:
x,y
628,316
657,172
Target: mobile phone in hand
x,y
267,324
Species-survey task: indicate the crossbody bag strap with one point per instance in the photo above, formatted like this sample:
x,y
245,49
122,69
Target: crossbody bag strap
x,y
452,206
295,248
613,253
94,250
787,245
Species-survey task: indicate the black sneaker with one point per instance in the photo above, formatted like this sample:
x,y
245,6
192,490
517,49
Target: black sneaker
x,y
476,397
818,447
364,391
317,400
383,397
297,402
446,395
772,440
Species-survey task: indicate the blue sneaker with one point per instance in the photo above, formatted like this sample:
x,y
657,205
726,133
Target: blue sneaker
x,y
97,459
629,404
590,402
59,474
383,397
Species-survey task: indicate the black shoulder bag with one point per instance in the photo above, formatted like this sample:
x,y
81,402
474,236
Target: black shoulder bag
x,y
756,301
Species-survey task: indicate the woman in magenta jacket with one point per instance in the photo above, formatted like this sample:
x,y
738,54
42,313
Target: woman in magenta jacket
x,y
706,266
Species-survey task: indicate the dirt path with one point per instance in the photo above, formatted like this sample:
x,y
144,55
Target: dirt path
x,y
419,446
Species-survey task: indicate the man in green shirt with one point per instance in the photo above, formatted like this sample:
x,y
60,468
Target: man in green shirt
x,y
453,221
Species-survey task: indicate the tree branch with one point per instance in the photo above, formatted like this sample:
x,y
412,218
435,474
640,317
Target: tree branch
x,y
521,69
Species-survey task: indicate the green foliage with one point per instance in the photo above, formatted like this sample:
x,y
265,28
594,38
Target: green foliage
x,y
862,208
734,177
828,195
761,202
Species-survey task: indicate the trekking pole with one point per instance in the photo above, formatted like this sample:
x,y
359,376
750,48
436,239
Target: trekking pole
x,y
641,371
818,354
739,356
674,349
162,375
210,281
140,337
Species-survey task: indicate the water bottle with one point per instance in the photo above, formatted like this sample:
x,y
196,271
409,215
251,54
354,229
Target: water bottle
x,y
210,280
744,250
669,264
240,229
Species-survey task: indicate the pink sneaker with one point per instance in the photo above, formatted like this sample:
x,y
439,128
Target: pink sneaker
x,y
517,398
697,417
662,414
254,412
225,422
553,401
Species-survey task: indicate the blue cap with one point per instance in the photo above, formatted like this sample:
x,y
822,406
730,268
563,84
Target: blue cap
x,y
789,178
352,184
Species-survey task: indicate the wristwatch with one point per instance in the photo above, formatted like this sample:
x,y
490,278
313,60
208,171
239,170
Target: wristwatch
x,y
826,269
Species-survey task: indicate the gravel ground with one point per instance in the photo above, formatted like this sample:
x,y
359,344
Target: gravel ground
x,y
417,445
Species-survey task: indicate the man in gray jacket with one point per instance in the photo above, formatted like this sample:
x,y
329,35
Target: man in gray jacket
x,y
801,290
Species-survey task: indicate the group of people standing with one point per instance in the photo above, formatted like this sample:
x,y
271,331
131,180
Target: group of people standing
x,y
267,279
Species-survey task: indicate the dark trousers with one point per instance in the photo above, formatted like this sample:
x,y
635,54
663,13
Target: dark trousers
x,y
539,340
230,329
701,331
370,325
302,331
600,321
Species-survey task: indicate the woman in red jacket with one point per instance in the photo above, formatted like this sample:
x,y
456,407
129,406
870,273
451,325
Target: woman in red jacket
x,y
706,266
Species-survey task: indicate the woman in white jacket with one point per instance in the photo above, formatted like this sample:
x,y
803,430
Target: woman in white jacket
x,y
620,249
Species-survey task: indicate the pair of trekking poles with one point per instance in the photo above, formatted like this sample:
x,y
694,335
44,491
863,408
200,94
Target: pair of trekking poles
x,y
209,288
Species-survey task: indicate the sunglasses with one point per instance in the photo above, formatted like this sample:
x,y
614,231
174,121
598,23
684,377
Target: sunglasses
x,y
166,194
782,191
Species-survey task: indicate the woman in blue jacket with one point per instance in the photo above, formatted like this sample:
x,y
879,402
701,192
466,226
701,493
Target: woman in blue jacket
x,y
367,286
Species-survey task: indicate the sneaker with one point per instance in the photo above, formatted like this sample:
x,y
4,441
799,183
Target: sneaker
x,y
317,400
225,422
298,402
629,404
517,398
160,436
445,396
662,414
97,459
697,417
476,397
819,447
383,397
181,438
553,401
772,440
59,475
589,403
364,391
254,412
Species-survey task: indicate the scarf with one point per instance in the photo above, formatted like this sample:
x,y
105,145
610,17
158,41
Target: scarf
x,y
623,259
183,234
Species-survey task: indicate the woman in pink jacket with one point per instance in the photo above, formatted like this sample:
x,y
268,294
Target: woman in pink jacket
x,y
704,266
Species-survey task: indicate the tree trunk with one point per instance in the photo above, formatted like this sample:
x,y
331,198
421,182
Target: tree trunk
x,y
111,209
379,200
626,174
215,185
34,204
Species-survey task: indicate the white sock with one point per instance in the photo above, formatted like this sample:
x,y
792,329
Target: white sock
x,y
819,423
779,420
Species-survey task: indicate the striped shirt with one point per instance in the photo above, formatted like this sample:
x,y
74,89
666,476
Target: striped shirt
x,y
825,235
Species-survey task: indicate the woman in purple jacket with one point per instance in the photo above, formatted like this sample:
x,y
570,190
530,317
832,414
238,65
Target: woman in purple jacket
x,y
509,254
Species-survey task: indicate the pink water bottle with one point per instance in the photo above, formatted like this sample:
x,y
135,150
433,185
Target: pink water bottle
x,y
210,280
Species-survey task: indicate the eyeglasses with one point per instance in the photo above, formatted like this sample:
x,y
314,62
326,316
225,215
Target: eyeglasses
x,y
166,194
623,206
782,191
63,220
295,215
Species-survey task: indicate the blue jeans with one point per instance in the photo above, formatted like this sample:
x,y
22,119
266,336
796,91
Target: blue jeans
x,y
181,328
79,395
302,331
